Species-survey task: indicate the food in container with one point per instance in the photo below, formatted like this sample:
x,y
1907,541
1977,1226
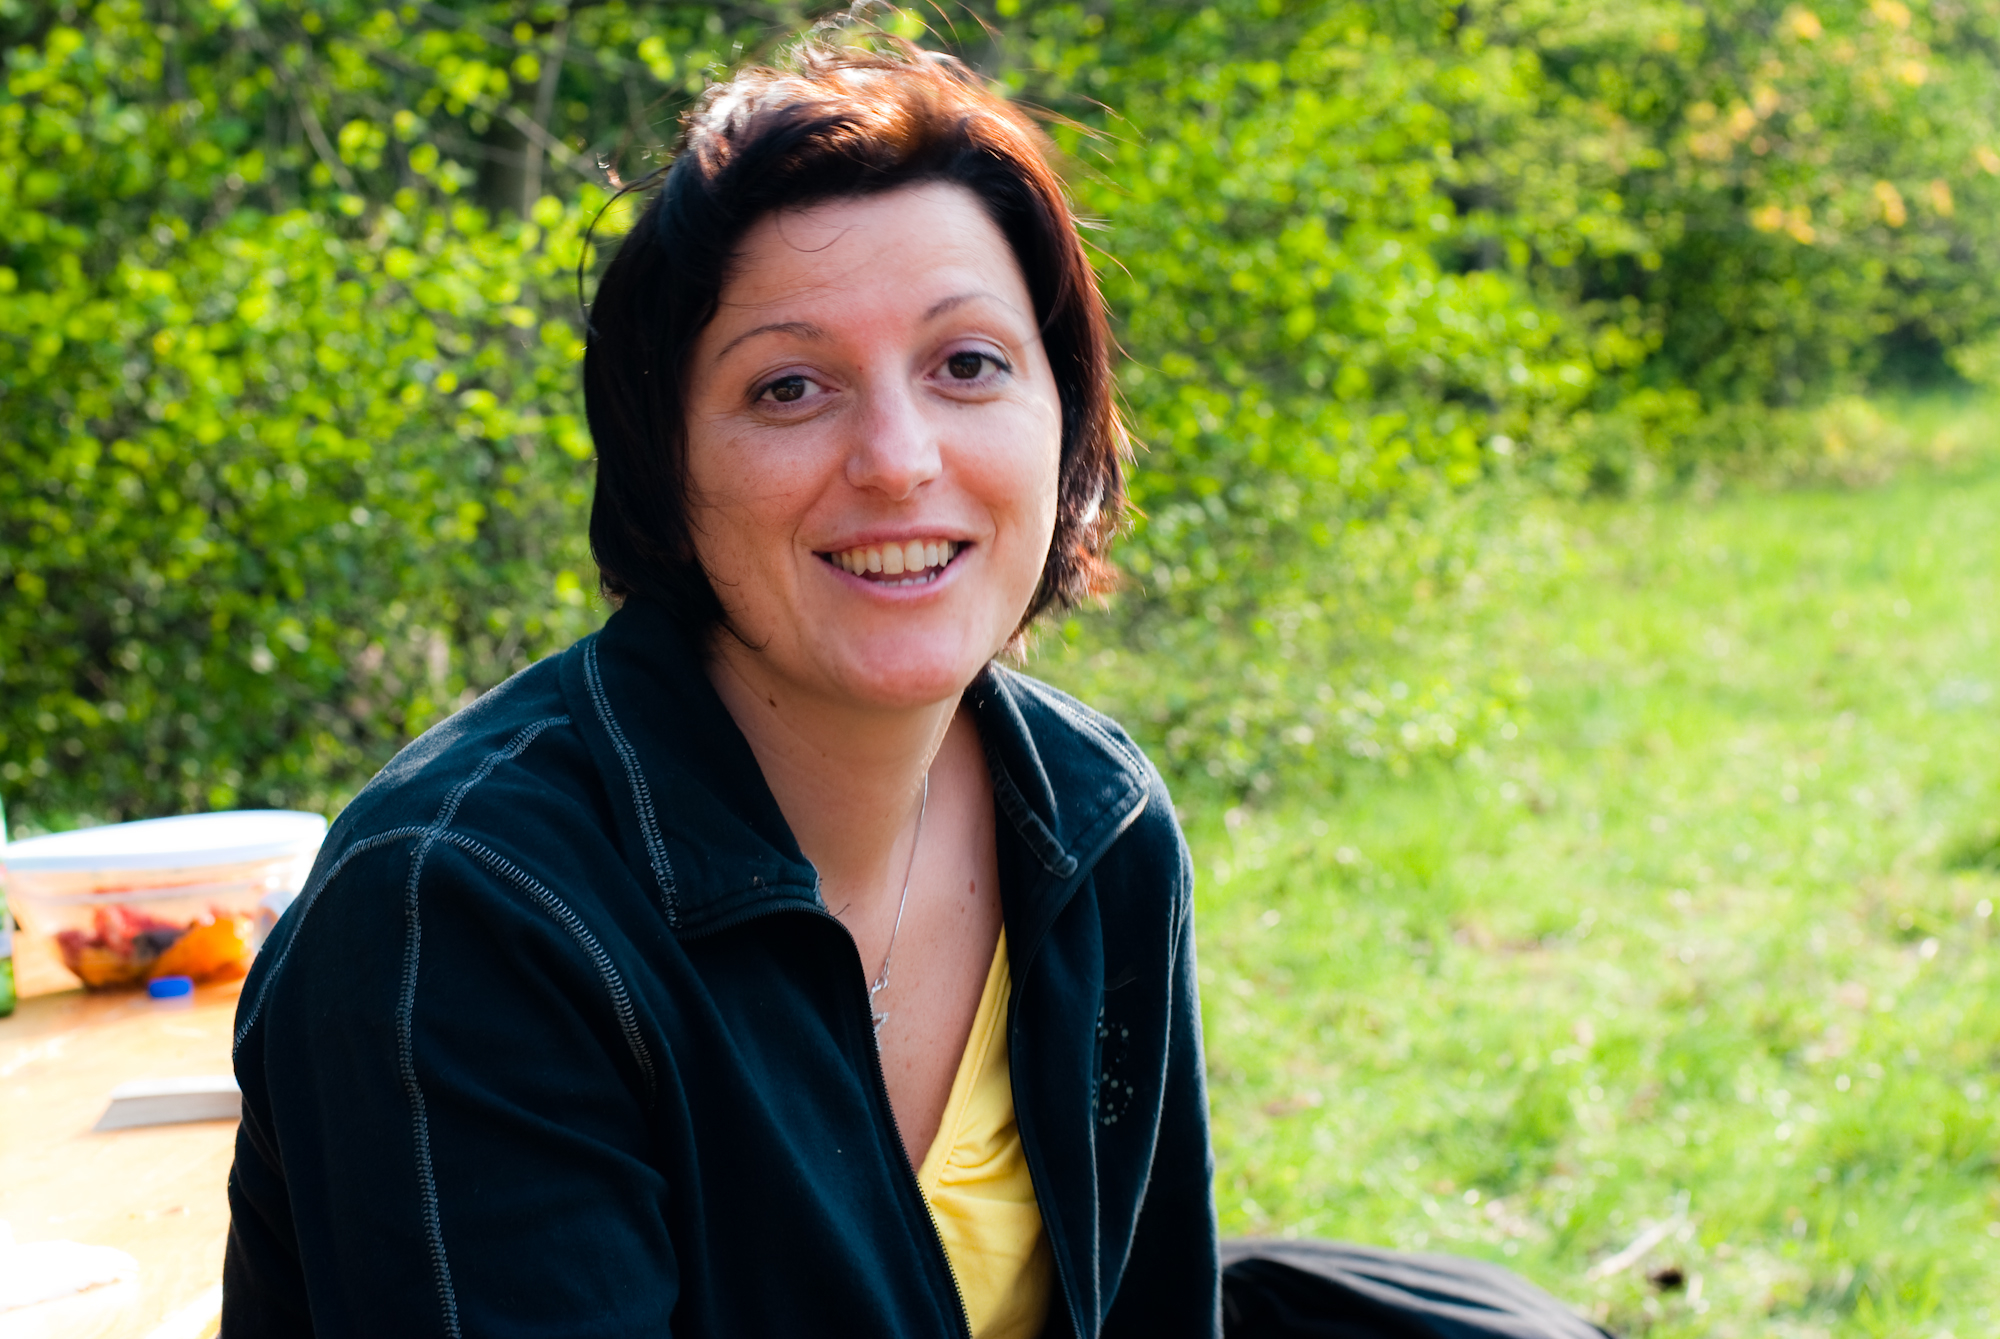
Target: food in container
x,y
164,896
125,947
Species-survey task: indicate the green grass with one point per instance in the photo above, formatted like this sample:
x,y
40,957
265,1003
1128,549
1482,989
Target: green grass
x,y
1708,941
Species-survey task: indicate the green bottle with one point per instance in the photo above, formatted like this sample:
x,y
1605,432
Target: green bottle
x,y
6,959
6,935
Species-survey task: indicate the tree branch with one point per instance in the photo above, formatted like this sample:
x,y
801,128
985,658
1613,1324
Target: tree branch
x,y
321,146
308,118
545,102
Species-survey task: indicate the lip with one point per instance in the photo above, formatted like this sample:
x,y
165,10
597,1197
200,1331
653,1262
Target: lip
x,y
901,534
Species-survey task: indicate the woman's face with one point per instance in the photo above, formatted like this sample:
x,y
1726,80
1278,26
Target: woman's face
x,y
873,441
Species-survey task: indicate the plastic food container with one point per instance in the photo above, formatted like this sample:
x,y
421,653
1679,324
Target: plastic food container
x,y
164,896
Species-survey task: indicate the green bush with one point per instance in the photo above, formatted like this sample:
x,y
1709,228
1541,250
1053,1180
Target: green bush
x,y
291,459
1368,257
289,473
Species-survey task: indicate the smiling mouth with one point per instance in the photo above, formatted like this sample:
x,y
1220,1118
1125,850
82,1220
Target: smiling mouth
x,y
915,563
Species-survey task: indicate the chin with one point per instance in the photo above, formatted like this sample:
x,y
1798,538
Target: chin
x,y
901,675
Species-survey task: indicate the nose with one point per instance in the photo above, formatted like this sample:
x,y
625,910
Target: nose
x,y
896,449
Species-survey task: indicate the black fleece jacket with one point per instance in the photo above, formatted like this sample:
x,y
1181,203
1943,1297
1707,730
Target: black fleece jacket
x,y
561,1040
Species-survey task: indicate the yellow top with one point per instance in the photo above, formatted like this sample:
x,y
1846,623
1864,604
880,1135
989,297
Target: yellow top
x,y
975,1179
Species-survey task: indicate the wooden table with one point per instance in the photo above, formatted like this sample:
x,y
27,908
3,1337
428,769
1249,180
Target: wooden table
x,y
157,1193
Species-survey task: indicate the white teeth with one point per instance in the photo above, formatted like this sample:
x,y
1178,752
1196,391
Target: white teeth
x,y
916,555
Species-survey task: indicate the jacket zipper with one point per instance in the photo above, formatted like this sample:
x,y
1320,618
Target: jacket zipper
x,y
1037,1174
910,1180
883,1105
916,1188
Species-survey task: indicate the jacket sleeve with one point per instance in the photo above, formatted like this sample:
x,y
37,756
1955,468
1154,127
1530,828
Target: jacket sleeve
x,y
446,1125
1173,1260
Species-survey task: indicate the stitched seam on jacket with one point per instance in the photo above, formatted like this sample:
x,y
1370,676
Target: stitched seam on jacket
x,y
642,795
406,1065
406,1010
306,900
561,912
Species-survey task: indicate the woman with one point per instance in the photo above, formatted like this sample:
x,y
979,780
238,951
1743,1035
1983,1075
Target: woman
x,y
771,962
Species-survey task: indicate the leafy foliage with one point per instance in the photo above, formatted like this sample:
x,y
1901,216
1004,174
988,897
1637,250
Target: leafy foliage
x,y
273,473
1368,256
295,462
292,450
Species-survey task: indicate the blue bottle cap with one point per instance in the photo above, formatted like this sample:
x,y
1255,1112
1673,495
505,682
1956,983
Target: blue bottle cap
x,y
170,987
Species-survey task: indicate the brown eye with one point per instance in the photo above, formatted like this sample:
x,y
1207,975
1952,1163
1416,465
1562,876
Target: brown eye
x,y
786,389
965,366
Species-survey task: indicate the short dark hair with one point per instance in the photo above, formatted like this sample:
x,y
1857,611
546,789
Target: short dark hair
x,y
834,121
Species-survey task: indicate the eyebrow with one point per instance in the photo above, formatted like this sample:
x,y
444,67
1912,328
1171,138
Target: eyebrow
x,y
943,305
807,330
803,329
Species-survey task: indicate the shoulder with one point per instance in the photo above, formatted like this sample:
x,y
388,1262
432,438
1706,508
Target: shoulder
x,y
1068,731
496,820
430,781
500,794
1069,734
1063,724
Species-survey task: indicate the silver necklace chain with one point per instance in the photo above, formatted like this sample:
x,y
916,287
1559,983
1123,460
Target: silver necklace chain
x,y
882,977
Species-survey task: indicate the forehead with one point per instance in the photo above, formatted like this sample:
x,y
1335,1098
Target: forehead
x,y
907,243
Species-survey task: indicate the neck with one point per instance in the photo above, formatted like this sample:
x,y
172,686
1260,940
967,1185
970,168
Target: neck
x,y
847,778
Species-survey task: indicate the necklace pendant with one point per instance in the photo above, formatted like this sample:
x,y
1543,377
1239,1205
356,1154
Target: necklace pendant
x,y
902,904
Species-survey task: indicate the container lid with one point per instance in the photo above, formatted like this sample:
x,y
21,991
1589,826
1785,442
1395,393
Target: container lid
x,y
188,842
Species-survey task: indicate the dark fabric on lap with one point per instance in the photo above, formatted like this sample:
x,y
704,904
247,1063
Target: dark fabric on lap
x,y
1332,1290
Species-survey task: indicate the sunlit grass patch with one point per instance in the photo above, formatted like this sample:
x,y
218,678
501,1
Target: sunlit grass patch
x,y
1703,957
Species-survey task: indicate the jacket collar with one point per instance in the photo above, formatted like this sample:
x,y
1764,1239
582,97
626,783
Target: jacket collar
x,y
698,824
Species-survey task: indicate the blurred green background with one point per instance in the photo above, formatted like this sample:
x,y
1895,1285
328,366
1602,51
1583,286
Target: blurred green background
x,y
1564,602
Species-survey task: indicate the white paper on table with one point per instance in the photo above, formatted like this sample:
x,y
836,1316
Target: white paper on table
x,y
42,1271
171,1101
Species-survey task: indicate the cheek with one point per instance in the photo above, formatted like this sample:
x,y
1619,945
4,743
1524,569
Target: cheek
x,y
718,520
1049,472
738,514
1033,479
